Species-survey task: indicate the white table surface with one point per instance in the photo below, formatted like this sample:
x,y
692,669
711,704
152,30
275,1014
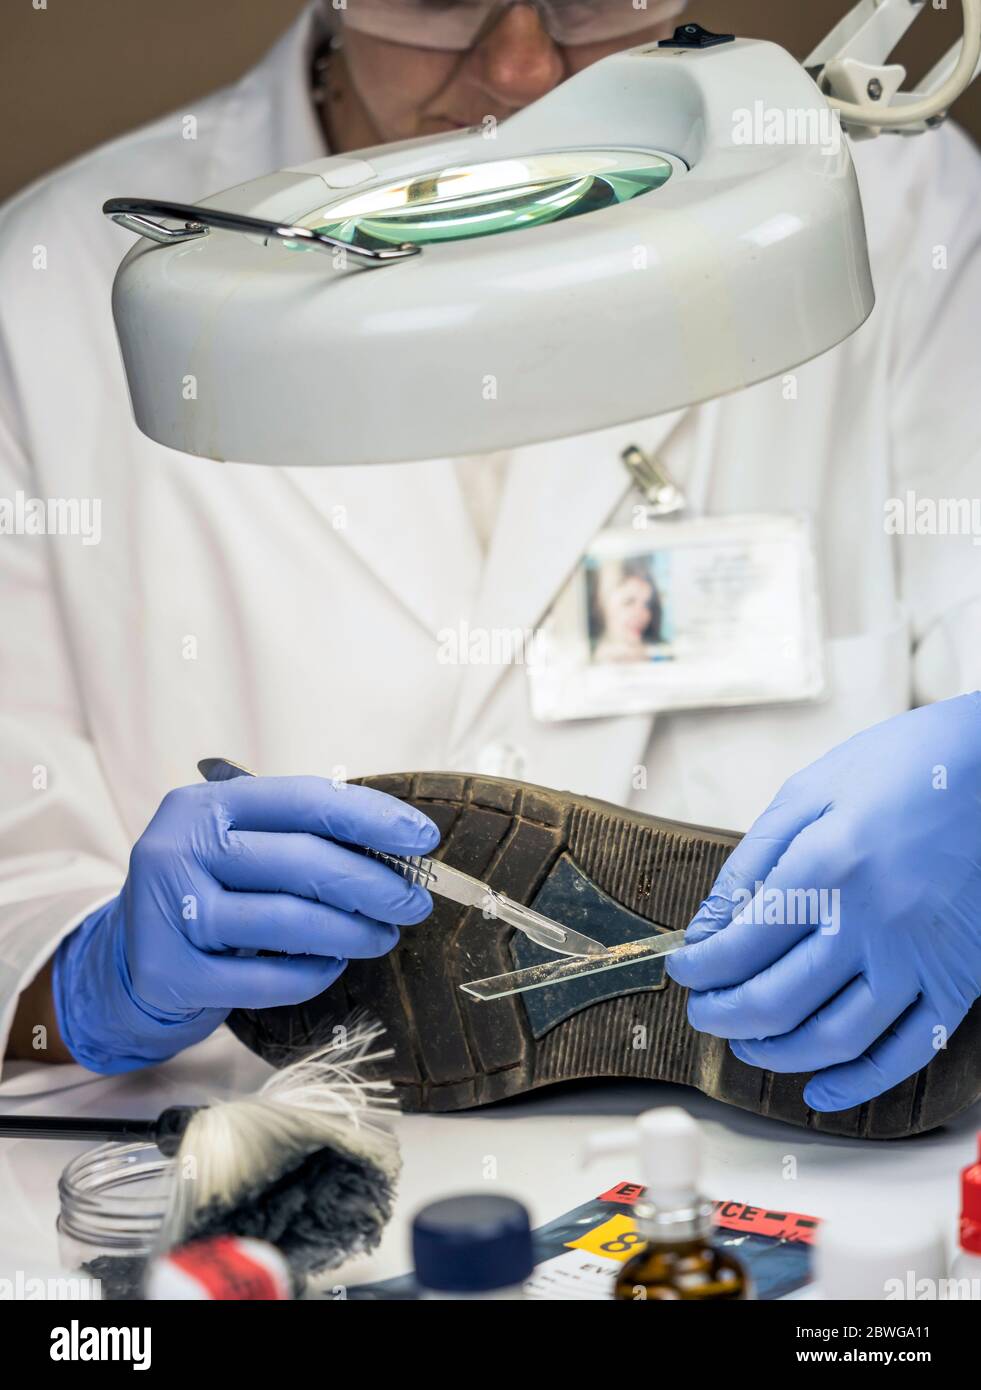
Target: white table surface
x,y
530,1148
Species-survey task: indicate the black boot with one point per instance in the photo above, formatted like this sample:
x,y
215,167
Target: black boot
x,y
610,873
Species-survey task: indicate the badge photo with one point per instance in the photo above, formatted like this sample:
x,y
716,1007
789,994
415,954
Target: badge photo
x,y
684,614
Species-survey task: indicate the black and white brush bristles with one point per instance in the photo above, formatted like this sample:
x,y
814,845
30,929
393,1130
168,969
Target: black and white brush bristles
x,y
309,1162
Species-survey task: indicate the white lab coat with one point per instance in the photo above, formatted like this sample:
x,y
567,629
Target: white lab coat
x,y
289,618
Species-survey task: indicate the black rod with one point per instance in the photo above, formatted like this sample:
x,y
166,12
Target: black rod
x,y
165,1131
74,1127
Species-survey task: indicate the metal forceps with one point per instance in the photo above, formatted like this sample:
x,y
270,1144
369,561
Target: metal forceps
x,y
455,885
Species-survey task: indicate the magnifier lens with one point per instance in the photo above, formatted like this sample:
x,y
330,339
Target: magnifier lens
x,y
465,202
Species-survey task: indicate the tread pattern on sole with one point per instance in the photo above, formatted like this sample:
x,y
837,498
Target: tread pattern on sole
x,y
452,1052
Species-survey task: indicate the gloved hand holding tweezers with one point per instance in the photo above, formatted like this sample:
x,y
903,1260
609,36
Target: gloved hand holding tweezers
x,y
588,955
458,887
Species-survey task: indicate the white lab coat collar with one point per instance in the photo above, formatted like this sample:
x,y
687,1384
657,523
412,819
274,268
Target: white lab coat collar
x,y
269,120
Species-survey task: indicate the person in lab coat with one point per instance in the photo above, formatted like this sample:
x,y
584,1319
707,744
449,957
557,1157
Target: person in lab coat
x,y
291,617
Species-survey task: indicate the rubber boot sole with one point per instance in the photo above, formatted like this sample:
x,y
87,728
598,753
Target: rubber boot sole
x,y
602,867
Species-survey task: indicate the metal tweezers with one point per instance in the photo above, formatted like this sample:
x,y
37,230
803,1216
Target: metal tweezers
x,y
457,886
150,218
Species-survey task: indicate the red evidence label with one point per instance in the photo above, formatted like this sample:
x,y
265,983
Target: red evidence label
x,y
736,1216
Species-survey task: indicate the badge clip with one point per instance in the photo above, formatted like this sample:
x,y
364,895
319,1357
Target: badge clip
x,y
661,493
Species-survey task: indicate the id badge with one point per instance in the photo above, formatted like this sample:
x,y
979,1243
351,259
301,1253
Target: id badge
x,y
684,614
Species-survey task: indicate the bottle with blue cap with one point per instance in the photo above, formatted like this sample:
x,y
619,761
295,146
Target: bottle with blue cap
x,y
472,1247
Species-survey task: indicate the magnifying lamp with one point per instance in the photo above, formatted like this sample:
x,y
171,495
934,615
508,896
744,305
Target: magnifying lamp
x,y
615,251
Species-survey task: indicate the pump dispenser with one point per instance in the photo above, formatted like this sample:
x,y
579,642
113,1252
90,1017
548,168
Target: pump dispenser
x,y
677,1260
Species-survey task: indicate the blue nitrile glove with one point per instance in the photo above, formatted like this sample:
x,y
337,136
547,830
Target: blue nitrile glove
x,y
225,870
885,831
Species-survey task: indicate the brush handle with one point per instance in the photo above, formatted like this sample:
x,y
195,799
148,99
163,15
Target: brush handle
x,y
165,1131
73,1127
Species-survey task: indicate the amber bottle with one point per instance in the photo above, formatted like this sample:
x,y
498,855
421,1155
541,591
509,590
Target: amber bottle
x,y
672,1269
676,1261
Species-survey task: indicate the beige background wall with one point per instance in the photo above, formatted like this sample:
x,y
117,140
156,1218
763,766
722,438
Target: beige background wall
x,y
80,71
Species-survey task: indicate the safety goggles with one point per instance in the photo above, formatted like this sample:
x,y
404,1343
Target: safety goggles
x,y
458,24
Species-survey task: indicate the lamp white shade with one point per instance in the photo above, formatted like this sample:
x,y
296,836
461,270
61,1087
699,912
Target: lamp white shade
x,y
748,260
